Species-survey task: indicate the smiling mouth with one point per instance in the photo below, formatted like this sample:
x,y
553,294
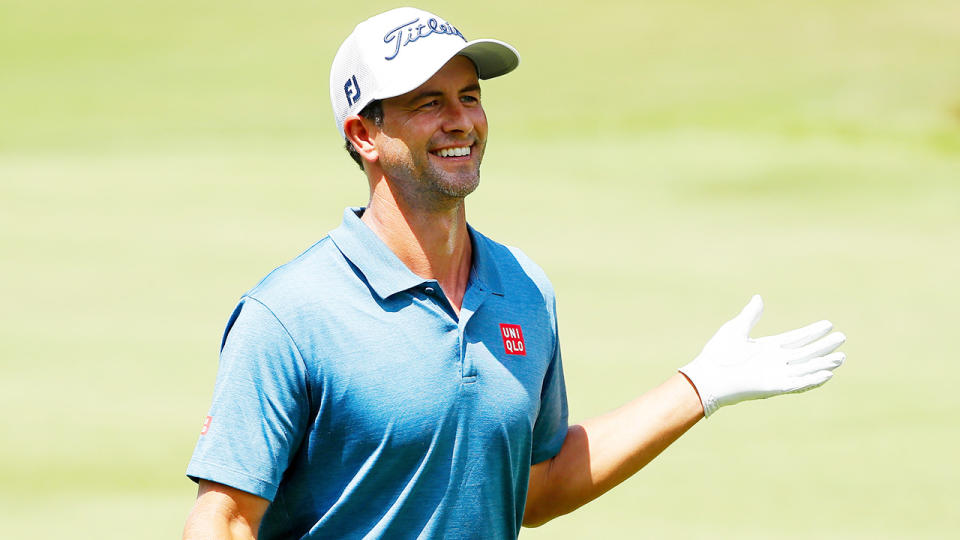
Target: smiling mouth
x,y
454,151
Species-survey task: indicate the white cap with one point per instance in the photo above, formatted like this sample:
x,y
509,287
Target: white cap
x,y
395,52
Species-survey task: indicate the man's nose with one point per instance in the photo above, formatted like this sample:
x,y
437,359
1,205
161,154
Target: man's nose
x,y
457,119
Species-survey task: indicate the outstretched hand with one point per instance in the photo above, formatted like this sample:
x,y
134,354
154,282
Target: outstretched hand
x,y
734,367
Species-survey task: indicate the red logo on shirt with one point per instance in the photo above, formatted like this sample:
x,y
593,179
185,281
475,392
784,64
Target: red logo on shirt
x,y
513,339
206,425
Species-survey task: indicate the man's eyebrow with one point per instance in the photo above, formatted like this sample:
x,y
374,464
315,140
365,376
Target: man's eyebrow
x,y
475,87
423,95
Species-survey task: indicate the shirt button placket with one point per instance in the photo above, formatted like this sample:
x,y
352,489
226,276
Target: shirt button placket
x,y
468,370
472,299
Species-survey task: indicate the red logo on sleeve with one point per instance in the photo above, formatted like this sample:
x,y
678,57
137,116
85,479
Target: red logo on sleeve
x,y
206,425
513,339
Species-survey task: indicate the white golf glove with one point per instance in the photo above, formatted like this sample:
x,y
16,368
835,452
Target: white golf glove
x,y
733,367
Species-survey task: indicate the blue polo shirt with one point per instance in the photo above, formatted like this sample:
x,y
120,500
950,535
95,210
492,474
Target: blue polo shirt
x,y
353,397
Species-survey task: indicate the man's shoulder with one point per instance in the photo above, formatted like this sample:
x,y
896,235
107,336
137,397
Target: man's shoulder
x,y
310,272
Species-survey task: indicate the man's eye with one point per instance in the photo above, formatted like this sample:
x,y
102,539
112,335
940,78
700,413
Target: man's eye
x,y
429,104
470,99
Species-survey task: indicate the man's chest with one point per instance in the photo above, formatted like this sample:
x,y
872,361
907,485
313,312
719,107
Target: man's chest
x,y
409,373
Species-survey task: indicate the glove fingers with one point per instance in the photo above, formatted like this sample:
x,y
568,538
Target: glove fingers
x,y
818,348
811,381
829,362
801,336
748,317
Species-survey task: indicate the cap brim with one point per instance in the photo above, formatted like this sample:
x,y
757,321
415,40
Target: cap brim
x,y
492,57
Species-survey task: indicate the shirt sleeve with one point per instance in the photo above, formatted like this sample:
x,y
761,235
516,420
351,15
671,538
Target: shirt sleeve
x,y
550,429
260,405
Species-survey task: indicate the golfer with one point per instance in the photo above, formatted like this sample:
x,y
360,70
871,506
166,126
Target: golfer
x,y
402,378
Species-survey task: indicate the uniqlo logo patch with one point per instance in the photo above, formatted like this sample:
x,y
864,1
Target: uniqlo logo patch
x,y
206,425
513,339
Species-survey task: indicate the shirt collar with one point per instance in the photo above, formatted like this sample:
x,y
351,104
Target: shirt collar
x,y
484,265
386,273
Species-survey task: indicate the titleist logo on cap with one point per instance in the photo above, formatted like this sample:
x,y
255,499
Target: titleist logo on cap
x,y
407,33
373,63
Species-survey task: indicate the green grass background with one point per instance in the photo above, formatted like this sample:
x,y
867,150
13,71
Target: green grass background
x,y
662,160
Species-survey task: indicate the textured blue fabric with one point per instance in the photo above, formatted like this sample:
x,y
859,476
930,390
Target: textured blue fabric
x,y
352,396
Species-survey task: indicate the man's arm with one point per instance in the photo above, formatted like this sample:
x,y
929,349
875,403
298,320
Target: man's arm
x,y
604,451
224,513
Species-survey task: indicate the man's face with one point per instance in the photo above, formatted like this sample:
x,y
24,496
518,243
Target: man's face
x,y
432,138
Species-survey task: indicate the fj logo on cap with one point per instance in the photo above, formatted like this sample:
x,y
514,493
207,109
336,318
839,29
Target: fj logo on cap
x,y
513,339
352,90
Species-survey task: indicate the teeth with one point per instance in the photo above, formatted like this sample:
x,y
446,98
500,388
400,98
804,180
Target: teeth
x,y
454,152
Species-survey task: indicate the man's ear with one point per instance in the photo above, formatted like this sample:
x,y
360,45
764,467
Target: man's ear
x,y
355,130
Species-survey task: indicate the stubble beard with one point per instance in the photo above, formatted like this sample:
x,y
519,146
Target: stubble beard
x,y
432,184
453,185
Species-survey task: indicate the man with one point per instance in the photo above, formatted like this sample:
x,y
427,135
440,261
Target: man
x,y
402,377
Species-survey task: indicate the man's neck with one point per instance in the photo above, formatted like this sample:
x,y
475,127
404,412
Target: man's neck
x,y
432,242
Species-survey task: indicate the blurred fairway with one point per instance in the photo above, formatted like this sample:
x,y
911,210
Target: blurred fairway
x,y
661,160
